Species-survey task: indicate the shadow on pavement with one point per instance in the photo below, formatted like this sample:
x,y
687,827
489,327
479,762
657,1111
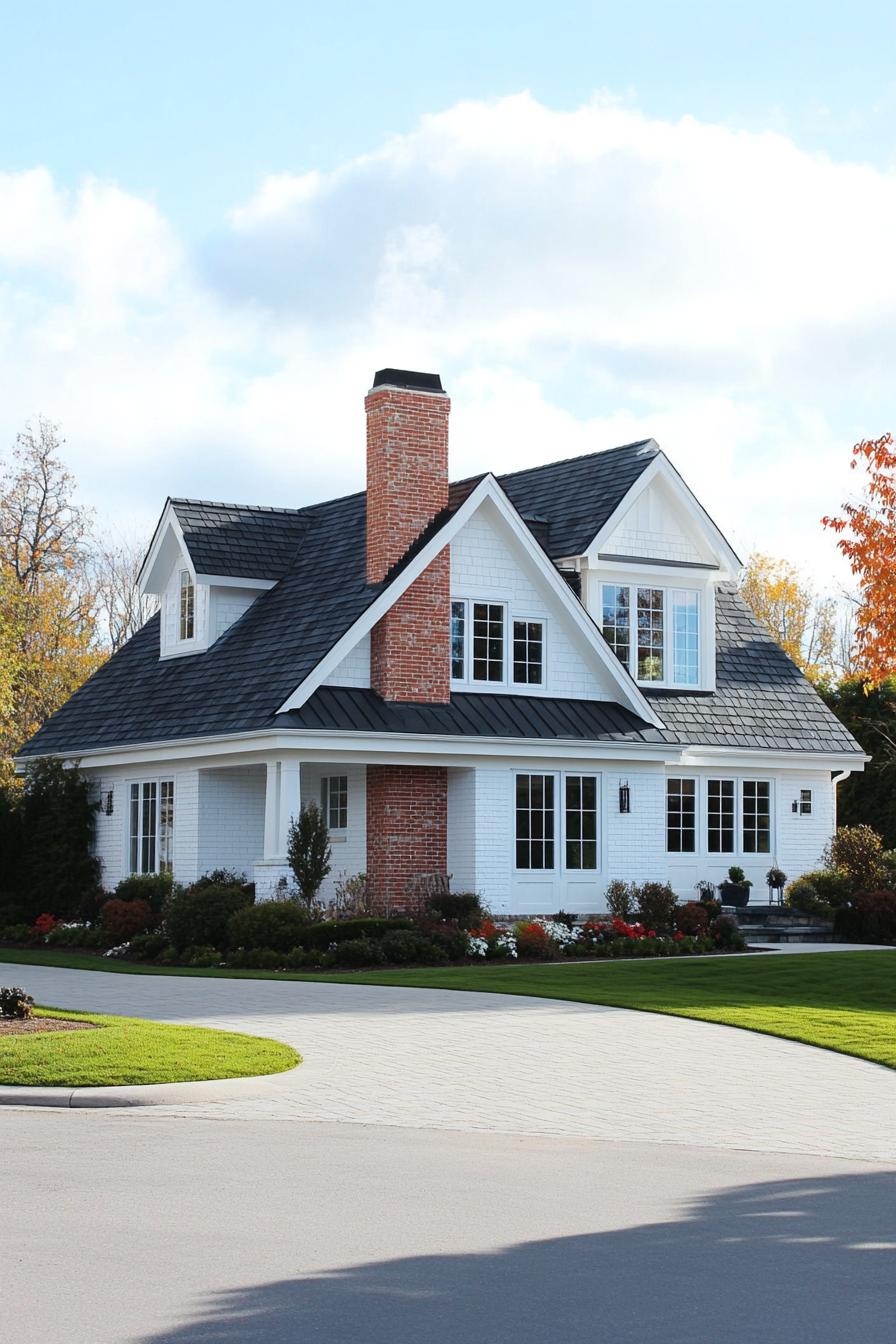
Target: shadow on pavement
x,y
796,1261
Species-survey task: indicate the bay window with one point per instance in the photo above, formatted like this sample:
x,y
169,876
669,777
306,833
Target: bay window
x,y
664,646
151,826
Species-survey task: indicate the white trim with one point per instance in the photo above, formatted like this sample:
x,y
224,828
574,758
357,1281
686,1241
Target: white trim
x,y
487,489
660,466
236,581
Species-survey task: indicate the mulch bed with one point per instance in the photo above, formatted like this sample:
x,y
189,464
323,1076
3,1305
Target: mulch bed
x,y
25,1026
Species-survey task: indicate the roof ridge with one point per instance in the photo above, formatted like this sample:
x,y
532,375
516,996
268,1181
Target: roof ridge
x,y
577,457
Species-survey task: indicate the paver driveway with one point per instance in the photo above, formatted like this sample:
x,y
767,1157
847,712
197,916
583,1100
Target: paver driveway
x,y
466,1061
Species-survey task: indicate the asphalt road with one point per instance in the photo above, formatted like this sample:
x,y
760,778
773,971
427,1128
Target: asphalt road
x,y
130,1226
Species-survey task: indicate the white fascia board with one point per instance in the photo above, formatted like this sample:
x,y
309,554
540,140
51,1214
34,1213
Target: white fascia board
x,y
236,581
373,748
148,580
487,489
755,758
729,561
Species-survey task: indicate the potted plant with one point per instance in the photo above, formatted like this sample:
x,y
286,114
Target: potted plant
x,y
776,880
735,890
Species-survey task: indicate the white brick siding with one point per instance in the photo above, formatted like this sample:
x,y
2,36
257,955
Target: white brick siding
x,y
349,849
462,829
483,566
231,818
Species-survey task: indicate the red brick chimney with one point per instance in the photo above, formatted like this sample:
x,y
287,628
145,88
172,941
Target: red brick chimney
x,y
407,485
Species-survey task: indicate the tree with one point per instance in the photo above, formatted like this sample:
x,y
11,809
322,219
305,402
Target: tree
x,y
308,850
60,875
121,608
804,624
48,634
867,537
869,796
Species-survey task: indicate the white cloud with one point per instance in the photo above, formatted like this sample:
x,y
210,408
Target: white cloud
x,y
579,278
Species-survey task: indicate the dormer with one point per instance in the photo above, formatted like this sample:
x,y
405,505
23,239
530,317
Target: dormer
x,y
649,579
196,606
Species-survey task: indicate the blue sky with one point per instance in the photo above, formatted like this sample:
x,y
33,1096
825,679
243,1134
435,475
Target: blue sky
x,y
221,217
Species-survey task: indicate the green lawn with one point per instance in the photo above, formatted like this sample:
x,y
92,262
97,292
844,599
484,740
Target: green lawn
x,y
842,1001
130,1050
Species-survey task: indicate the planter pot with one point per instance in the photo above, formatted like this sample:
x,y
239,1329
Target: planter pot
x,y
734,893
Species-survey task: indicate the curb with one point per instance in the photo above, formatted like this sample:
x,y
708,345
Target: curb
x,y
147,1094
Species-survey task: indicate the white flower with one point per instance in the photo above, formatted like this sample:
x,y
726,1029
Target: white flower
x,y
477,947
559,933
118,951
507,942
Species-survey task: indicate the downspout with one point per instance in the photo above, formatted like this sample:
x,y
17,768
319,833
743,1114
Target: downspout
x,y
835,780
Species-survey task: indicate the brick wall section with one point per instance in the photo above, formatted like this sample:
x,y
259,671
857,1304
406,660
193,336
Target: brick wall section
x,y
407,828
407,485
410,648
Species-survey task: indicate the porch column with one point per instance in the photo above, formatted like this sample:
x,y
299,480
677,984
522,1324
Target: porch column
x,y
282,802
407,829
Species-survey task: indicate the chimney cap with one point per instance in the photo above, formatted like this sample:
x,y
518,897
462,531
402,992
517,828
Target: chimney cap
x,y
419,382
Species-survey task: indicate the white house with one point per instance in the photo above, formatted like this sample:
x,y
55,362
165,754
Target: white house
x,y
534,683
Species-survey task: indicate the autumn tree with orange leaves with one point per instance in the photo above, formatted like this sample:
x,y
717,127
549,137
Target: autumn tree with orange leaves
x,y
867,537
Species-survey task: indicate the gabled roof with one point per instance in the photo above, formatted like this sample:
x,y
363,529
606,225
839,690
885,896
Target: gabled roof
x,y
317,561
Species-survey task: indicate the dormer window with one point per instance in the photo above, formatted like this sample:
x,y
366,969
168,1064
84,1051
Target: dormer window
x,y
654,632
187,628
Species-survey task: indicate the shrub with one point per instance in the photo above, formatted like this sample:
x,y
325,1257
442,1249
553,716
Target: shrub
x,y
621,898
404,946
308,850
726,934
200,956
463,908
563,917
154,888
146,947
352,895
59,869
692,918
532,940
329,931
43,925
262,959
859,852
275,924
14,1002
453,942
831,884
77,935
15,933
738,876
221,877
199,916
656,906
361,952
122,920
802,895
877,910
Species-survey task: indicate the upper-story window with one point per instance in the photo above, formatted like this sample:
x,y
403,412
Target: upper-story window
x,y
654,632
187,623
487,648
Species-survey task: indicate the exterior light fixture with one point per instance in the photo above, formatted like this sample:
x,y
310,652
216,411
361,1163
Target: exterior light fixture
x,y
107,803
625,797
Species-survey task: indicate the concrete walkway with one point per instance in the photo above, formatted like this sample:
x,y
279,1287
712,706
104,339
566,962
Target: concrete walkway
x,y
435,1059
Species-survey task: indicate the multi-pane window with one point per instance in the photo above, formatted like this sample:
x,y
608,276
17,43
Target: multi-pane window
x,y
458,641
720,804
187,605
685,638
756,817
651,635
805,802
535,822
581,821
151,826
665,646
681,816
528,652
334,801
488,641
617,620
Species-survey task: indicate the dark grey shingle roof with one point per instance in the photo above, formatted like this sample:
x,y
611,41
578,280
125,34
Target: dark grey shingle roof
x,y
240,682
761,698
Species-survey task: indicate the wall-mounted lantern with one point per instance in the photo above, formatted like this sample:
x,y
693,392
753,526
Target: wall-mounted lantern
x,y
625,797
108,803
